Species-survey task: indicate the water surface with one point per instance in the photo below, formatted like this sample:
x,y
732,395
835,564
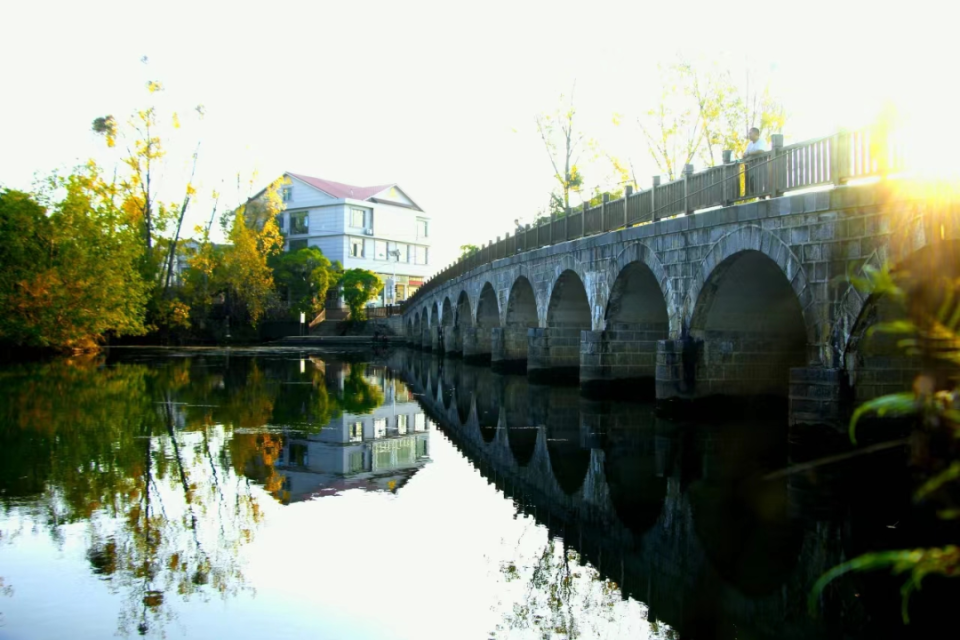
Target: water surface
x,y
286,494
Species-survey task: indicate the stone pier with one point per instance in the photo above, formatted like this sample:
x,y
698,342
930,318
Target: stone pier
x,y
509,348
619,359
553,354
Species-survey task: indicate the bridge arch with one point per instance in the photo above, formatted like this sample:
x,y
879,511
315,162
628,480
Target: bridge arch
x,y
462,319
748,308
875,365
569,305
487,405
521,432
466,383
912,236
741,241
446,313
478,343
635,480
636,303
569,461
520,313
632,273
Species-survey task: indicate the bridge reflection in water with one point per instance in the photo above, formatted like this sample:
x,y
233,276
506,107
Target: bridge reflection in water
x,y
684,518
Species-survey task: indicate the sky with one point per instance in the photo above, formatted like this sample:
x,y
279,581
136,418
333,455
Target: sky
x,y
440,98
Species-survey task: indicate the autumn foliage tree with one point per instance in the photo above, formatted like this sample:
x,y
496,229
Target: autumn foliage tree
x,y
245,275
565,143
69,268
700,113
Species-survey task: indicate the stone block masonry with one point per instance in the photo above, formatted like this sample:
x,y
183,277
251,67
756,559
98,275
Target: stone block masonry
x,y
759,289
553,354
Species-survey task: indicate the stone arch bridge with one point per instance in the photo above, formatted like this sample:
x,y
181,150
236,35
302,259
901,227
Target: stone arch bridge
x,y
743,300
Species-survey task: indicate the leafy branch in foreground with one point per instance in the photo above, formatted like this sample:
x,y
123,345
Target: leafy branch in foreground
x,y
931,332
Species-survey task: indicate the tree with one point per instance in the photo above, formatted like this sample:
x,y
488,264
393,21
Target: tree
x,y
359,286
564,145
700,114
245,276
928,329
467,250
69,270
306,275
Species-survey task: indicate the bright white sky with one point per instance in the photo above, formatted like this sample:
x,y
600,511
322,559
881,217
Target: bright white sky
x,y
438,97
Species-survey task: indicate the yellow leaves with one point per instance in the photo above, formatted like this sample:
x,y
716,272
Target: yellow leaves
x,y
617,119
107,127
191,190
175,119
154,87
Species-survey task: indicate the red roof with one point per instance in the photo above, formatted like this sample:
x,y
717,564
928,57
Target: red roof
x,y
340,190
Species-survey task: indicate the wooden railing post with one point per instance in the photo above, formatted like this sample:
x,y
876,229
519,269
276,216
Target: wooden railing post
x,y
687,172
603,211
627,192
728,177
773,173
653,198
840,158
553,218
566,224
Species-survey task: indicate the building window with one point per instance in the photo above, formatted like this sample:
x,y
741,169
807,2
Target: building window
x,y
379,428
356,461
299,223
379,250
287,194
401,424
296,245
421,228
356,432
401,290
420,255
419,423
357,218
298,455
356,248
280,217
402,248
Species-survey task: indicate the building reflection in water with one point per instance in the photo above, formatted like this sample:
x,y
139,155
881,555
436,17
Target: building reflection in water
x,y
378,450
165,461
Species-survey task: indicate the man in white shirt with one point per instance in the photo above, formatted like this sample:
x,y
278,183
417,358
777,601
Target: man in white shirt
x,y
757,145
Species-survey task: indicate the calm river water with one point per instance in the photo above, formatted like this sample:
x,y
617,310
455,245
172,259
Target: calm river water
x,y
283,494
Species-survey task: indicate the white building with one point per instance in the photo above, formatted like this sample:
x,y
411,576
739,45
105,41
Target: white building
x,y
380,229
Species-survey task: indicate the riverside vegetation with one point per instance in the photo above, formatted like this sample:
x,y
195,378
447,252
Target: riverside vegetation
x,y
96,254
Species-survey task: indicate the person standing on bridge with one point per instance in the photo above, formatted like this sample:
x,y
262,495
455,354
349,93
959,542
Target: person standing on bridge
x,y
756,144
755,147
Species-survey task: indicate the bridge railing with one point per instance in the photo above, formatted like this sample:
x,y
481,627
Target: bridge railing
x,y
832,160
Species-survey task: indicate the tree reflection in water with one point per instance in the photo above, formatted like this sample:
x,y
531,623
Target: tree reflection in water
x,y
161,463
564,597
